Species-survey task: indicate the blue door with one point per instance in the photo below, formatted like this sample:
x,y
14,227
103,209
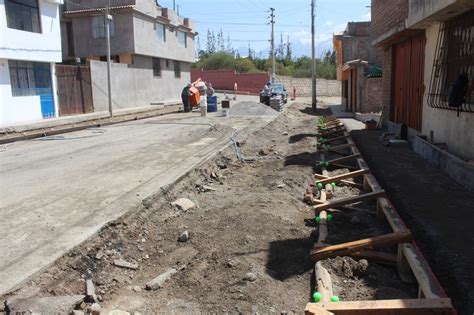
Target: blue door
x,y
47,105
44,88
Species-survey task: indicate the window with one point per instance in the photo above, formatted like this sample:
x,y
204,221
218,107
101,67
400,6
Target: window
x,y
29,78
454,55
177,69
160,31
156,67
167,63
98,26
182,39
23,15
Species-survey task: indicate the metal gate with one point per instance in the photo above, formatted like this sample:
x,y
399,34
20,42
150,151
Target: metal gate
x,y
74,90
407,84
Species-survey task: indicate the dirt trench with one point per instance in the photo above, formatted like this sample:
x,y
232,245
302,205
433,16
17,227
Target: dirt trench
x,y
248,249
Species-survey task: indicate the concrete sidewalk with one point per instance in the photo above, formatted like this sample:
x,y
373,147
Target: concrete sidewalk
x,y
58,191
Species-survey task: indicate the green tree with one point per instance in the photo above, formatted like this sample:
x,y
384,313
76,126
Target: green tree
x,y
211,42
289,52
216,61
244,65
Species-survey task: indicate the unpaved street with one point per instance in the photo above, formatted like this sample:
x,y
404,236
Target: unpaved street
x,y
248,247
58,191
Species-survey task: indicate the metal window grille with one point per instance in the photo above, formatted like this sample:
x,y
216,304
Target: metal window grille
x,y
156,67
29,78
454,55
23,15
177,69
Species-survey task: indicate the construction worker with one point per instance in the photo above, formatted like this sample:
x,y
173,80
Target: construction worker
x,y
210,90
185,98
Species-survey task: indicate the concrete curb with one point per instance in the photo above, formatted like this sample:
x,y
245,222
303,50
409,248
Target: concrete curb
x,y
100,119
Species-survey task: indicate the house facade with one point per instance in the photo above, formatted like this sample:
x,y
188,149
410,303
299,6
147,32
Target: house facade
x,y
358,68
426,46
151,46
30,45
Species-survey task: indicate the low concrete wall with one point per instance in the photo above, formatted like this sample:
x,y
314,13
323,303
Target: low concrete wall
x,y
457,169
135,86
303,86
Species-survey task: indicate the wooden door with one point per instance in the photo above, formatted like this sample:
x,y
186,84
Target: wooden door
x,y
74,90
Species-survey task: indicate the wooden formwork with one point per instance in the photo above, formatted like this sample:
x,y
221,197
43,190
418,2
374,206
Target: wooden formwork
x,y
409,260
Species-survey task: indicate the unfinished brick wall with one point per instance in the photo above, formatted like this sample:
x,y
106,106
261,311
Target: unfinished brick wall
x,y
386,83
303,86
387,16
225,79
372,95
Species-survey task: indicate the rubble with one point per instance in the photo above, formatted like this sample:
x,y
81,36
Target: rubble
x,y
43,305
90,292
184,237
119,312
158,282
250,277
125,264
183,204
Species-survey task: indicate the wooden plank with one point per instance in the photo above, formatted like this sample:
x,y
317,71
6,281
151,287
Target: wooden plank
x,y
429,285
346,182
313,309
322,229
328,127
345,158
377,256
352,208
338,147
360,245
334,139
386,307
338,178
327,133
348,200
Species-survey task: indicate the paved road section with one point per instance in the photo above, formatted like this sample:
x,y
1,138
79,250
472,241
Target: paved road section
x,y
58,191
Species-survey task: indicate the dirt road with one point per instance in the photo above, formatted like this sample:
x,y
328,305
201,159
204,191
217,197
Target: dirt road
x,y
248,247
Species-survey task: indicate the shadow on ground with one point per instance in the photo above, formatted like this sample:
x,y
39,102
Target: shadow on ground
x,y
301,136
303,159
288,258
319,111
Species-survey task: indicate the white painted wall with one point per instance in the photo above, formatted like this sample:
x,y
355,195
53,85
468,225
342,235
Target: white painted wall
x,y
18,109
456,132
22,45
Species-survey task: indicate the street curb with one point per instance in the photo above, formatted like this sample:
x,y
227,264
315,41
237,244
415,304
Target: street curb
x,y
71,127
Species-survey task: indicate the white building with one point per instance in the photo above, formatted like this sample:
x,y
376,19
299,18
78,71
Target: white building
x,y
30,45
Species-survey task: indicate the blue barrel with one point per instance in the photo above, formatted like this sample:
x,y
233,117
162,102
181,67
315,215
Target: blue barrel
x,y
211,104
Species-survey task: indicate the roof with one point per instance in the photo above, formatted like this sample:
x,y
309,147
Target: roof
x,y
97,10
354,63
373,72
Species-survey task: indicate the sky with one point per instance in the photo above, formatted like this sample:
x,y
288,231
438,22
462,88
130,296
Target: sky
x,y
247,21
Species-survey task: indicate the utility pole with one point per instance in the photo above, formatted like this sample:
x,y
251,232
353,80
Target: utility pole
x,y
272,16
174,5
313,59
108,18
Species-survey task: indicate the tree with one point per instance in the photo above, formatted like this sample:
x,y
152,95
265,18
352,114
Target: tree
x,y
243,65
250,53
211,42
280,51
289,52
216,61
220,41
229,48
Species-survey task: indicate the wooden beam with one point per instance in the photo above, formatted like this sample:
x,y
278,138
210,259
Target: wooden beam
x,y
352,208
385,307
322,229
314,310
328,127
346,182
377,256
327,133
338,147
334,139
345,158
360,245
348,200
340,177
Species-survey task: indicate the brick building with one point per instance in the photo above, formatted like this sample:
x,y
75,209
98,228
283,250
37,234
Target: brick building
x,y
426,45
358,68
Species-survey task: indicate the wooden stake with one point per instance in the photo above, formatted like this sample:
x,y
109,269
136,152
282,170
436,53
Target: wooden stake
x,y
323,282
375,256
345,158
360,245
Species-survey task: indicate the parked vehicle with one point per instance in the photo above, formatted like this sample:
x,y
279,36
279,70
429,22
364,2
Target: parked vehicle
x,y
277,89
